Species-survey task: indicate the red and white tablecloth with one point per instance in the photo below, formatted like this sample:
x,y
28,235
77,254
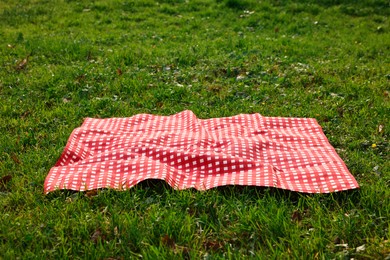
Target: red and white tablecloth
x,y
188,152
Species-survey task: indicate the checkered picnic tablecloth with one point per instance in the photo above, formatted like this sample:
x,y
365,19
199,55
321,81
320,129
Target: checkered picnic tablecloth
x,y
187,152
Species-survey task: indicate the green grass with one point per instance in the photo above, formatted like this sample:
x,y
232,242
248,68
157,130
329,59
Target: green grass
x,y
326,59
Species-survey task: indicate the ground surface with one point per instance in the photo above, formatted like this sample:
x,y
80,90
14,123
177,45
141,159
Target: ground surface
x,y
62,61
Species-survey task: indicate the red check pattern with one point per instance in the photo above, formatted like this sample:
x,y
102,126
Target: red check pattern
x,y
187,152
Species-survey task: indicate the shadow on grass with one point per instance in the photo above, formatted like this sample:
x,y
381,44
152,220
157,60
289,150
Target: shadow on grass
x,y
329,3
160,188
352,7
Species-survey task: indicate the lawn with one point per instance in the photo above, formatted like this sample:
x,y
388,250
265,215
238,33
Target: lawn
x,y
64,60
